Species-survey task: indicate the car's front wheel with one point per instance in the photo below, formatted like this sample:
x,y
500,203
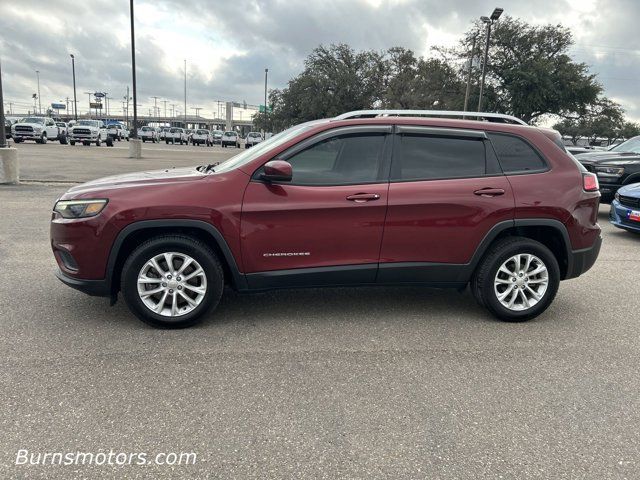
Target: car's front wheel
x,y
172,281
517,279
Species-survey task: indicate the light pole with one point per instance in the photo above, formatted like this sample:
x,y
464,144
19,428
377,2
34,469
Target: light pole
x,y
39,104
466,94
75,98
185,93
488,22
3,137
134,132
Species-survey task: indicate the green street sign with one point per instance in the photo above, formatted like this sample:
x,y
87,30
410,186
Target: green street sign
x,y
262,109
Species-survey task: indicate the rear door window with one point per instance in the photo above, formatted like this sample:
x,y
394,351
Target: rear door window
x,y
427,157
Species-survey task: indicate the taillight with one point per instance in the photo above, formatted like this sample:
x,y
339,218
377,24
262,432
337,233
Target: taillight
x,y
590,182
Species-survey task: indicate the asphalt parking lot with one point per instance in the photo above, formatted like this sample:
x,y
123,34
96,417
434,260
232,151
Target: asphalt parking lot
x,y
338,383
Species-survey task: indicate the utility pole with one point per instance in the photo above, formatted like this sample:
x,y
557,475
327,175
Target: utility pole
x,y
165,110
197,109
155,107
185,93
173,110
266,74
89,93
39,104
466,95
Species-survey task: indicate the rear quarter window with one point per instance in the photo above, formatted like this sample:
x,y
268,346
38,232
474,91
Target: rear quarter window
x,y
516,155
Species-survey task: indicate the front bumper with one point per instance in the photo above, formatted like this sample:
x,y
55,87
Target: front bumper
x,y
83,138
27,135
619,217
95,288
582,260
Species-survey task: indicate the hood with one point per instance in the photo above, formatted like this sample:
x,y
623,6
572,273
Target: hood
x,y
137,179
632,190
606,157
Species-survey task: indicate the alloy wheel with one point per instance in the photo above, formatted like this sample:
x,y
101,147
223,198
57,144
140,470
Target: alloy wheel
x,y
521,282
172,284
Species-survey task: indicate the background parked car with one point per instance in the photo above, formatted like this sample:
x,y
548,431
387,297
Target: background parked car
x,y
7,128
615,168
64,128
230,139
39,129
118,132
163,133
625,208
88,132
176,135
148,134
217,136
253,138
202,137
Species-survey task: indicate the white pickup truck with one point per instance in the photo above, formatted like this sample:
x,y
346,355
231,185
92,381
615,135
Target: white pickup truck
x,y
40,129
148,133
88,132
202,137
118,132
176,135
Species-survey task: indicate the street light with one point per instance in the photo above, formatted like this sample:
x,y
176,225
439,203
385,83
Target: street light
x,y
75,99
185,93
39,104
488,21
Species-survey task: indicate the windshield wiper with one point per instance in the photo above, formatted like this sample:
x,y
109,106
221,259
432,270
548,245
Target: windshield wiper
x,y
208,168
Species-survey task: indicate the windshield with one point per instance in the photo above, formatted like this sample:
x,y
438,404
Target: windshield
x,y
273,142
254,135
60,124
32,120
88,123
146,129
631,145
175,130
229,134
202,132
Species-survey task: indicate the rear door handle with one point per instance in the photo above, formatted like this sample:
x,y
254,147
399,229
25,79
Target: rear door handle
x,y
489,192
363,197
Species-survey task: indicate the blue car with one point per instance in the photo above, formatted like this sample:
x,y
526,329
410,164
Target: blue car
x,y
625,208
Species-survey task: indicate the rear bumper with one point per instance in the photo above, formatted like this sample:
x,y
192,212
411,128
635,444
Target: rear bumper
x,y
96,288
582,260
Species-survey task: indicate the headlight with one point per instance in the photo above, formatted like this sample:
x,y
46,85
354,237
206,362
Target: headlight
x,y
617,196
37,129
609,171
80,208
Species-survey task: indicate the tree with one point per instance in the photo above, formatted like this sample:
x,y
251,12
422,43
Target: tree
x,y
530,74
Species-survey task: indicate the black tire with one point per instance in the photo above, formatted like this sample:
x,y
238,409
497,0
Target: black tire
x,y
172,243
44,138
18,140
482,283
109,142
86,143
98,141
72,142
63,139
144,140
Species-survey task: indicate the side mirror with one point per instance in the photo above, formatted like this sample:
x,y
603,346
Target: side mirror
x,y
277,171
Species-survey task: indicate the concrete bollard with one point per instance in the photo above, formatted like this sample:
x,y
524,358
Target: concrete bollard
x,y
135,148
9,171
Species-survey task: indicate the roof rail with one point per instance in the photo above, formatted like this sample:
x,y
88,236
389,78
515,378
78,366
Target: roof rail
x,y
429,113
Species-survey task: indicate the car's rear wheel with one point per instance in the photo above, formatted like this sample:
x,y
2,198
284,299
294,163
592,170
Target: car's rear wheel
x,y
43,139
517,279
72,142
172,281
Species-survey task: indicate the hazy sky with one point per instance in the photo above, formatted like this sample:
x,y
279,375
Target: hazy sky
x,y
228,44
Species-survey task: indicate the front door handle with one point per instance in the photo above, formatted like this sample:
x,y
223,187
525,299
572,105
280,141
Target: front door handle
x,y
489,192
363,197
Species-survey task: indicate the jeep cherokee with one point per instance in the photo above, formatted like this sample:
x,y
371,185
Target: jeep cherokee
x,y
362,199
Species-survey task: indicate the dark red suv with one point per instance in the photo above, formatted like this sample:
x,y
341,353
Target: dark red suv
x,y
367,198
